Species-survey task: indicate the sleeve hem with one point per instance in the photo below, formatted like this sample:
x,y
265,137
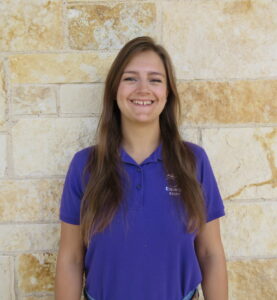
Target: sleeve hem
x,y
69,220
216,215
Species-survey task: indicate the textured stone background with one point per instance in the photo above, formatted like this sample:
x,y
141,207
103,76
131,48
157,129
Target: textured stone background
x,y
53,59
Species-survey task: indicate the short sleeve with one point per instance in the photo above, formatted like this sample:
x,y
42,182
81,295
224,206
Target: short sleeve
x,y
212,197
72,194
205,175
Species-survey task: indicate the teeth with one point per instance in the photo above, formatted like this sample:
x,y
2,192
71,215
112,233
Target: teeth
x,y
142,102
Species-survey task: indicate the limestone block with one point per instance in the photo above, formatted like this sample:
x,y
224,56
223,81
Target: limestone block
x,y
6,278
221,38
252,279
69,1
31,25
105,26
229,102
29,237
59,68
3,99
34,100
30,200
36,272
190,134
39,298
81,99
3,154
249,229
201,296
49,144
244,161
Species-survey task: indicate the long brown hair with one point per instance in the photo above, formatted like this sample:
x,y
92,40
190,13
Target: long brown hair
x,y
103,193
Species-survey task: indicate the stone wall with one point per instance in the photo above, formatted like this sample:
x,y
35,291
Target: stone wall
x,y
53,59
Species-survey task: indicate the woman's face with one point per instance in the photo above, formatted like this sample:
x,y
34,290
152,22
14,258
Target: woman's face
x,y
142,91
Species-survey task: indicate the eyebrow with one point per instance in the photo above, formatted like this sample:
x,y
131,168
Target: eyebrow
x,y
151,73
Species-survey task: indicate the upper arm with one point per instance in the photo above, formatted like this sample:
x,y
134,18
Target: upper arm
x,y
208,240
71,243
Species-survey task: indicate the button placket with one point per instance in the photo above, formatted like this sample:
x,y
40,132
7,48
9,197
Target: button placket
x,y
139,187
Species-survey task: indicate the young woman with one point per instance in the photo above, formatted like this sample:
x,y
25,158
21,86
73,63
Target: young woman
x,y
140,209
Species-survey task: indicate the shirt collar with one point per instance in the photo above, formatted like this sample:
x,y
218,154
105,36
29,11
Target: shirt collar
x,y
154,157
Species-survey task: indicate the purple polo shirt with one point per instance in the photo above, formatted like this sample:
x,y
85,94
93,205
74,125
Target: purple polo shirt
x,y
147,254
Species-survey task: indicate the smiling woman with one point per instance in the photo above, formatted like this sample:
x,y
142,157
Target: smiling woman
x,y
140,209
142,91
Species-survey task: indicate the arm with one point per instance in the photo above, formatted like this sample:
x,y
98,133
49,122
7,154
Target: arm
x,y
69,271
212,262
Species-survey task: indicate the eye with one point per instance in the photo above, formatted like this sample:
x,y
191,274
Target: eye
x,y
155,80
129,79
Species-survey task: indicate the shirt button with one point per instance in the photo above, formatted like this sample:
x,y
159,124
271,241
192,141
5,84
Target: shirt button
x,y
138,186
139,170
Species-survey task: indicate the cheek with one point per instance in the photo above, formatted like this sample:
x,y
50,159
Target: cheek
x,y
162,93
123,91
121,97
161,90
119,92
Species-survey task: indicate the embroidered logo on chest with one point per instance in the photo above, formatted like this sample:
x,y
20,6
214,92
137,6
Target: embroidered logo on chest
x,y
172,187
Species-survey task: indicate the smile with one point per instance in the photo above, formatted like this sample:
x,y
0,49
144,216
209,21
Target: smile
x,y
142,102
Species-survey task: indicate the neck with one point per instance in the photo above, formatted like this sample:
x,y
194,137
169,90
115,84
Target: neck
x,y
140,141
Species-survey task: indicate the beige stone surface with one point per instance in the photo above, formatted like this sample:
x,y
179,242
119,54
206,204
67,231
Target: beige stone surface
x,y
106,26
31,25
190,134
81,99
3,155
201,297
249,229
229,102
244,161
6,278
3,99
30,200
221,38
29,237
252,279
49,144
36,272
59,68
70,1
34,100
39,298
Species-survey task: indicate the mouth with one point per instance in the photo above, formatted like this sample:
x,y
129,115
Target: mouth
x,y
142,102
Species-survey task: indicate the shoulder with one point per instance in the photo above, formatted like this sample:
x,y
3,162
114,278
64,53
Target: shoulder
x,y
81,157
203,165
74,187
77,176
197,150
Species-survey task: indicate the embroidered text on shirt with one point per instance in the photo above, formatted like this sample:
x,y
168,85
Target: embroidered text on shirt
x,y
172,187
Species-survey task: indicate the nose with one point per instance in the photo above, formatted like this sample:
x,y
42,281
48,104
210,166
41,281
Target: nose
x,y
143,86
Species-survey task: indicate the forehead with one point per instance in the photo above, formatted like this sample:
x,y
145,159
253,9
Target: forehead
x,y
148,61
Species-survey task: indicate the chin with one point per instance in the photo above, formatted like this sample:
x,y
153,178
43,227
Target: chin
x,y
146,120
